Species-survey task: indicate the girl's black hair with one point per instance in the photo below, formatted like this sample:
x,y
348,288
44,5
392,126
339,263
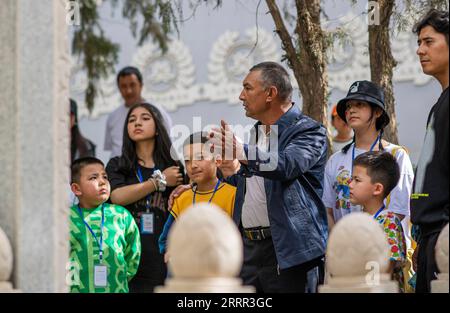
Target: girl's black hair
x,y
380,124
347,147
161,155
77,141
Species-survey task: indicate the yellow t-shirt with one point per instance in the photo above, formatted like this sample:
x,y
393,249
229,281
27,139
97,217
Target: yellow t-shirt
x,y
224,198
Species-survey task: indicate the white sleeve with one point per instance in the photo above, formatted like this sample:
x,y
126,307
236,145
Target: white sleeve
x,y
108,136
329,195
400,196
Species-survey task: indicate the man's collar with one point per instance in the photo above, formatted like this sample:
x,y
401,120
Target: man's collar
x,y
285,120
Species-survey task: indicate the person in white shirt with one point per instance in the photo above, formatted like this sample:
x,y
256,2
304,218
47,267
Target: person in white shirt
x,y
364,111
130,84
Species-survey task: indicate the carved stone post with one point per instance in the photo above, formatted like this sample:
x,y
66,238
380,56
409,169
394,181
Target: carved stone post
x,y
6,264
34,141
206,253
358,257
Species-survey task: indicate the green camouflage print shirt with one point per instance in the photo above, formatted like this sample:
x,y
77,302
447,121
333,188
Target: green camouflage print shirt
x,y
121,248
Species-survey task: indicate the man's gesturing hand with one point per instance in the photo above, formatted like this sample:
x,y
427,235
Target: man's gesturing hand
x,y
226,144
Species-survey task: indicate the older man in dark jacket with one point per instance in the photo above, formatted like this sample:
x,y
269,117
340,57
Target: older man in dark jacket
x,y
283,219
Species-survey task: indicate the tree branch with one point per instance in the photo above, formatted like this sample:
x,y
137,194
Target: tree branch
x,y
284,35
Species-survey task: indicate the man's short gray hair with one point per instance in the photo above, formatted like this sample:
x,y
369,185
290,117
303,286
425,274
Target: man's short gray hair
x,y
273,74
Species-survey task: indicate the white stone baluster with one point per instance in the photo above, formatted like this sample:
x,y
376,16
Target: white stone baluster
x,y
6,263
357,258
206,253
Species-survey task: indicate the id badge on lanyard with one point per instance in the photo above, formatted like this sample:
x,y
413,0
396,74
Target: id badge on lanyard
x,y
147,218
100,276
100,270
147,223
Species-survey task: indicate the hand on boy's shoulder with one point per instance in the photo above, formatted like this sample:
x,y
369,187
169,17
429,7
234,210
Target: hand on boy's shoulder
x,y
187,194
179,190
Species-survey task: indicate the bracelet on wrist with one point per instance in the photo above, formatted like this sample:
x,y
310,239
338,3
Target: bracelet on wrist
x,y
154,183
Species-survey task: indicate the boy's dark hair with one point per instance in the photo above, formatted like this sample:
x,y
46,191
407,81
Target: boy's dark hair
x,y
129,70
381,167
198,137
436,19
79,164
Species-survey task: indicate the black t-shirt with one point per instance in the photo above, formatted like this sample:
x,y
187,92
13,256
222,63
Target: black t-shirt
x,y
430,199
152,267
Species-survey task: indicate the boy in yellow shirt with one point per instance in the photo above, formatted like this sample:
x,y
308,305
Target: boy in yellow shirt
x,y
202,168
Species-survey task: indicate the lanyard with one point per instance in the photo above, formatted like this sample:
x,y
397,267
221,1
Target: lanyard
x,y
141,180
214,192
371,148
100,243
379,211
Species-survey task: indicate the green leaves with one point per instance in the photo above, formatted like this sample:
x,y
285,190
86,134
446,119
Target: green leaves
x,y
97,53
155,19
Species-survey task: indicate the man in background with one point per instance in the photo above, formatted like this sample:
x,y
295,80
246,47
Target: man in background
x,y
430,198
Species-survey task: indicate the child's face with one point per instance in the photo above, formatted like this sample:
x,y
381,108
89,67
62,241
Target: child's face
x,y
358,114
141,125
201,165
93,188
340,125
362,190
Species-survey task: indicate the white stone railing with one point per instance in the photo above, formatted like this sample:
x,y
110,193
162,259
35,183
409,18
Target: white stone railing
x,y
206,253
6,263
358,257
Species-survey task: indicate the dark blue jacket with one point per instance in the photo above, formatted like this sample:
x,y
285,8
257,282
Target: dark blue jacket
x,y
294,186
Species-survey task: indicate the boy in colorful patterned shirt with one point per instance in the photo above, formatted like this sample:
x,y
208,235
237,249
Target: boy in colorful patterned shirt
x,y
202,168
105,246
375,174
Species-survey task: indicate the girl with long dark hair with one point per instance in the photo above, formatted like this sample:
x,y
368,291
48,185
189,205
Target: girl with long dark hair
x,y
141,181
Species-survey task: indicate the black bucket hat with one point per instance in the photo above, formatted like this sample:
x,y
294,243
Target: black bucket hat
x,y
369,92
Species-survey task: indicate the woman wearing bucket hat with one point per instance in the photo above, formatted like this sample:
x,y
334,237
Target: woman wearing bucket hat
x,y
364,111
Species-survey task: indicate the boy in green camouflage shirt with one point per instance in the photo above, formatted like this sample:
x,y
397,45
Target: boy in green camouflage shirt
x,y
105,246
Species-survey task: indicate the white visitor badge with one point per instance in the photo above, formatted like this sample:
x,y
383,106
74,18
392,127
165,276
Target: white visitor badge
x,y
147,223
100,275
